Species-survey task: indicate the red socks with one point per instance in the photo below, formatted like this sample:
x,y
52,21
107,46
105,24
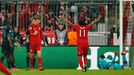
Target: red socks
x,y
39,62
4,70
80,62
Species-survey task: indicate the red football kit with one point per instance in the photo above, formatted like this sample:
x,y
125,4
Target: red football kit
x,y
82,38
35,40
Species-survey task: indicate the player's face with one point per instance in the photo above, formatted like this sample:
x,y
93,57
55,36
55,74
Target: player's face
x,y
37,21
33,21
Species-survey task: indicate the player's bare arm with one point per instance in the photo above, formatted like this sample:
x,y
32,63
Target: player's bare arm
x,y
96,20
9,39
1,41
17,42
102,14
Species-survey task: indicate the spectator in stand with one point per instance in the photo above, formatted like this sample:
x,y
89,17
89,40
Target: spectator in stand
x,y
27,14
61,34
72,37
1,19
35,7
50,22
21,20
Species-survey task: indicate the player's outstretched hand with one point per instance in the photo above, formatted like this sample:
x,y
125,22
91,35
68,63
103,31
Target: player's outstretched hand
x,y
102,10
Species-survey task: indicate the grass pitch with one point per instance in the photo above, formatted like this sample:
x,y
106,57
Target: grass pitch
x,y
72,72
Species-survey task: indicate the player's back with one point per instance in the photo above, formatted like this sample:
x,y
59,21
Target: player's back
x,y
82,33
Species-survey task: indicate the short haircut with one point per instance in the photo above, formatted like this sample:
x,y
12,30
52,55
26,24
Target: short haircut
x,y
35,17
82,22
102,56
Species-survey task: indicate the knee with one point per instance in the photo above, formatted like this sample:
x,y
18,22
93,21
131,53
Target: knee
x,y
39,54
79,53
28,54
31,54
11,58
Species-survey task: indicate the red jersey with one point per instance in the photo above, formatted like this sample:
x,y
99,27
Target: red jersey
x,y
82,33
35,38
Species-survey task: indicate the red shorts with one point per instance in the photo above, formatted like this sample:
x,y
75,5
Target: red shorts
x,y
35,47
82,49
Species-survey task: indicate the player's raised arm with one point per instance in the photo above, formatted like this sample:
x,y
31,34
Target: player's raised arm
x,y
96,20
102,14
30,28
65,20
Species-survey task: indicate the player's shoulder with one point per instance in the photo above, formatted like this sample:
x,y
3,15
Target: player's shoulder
x,y
87,26
76,25
30,26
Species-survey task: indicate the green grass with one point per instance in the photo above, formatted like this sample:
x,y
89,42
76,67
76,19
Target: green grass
x,y
72,72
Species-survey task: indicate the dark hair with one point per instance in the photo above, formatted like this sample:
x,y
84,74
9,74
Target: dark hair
x,y
35,17
102,56
82,22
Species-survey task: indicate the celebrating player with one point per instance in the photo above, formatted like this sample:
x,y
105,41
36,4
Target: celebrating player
x,y
82,37
36,37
